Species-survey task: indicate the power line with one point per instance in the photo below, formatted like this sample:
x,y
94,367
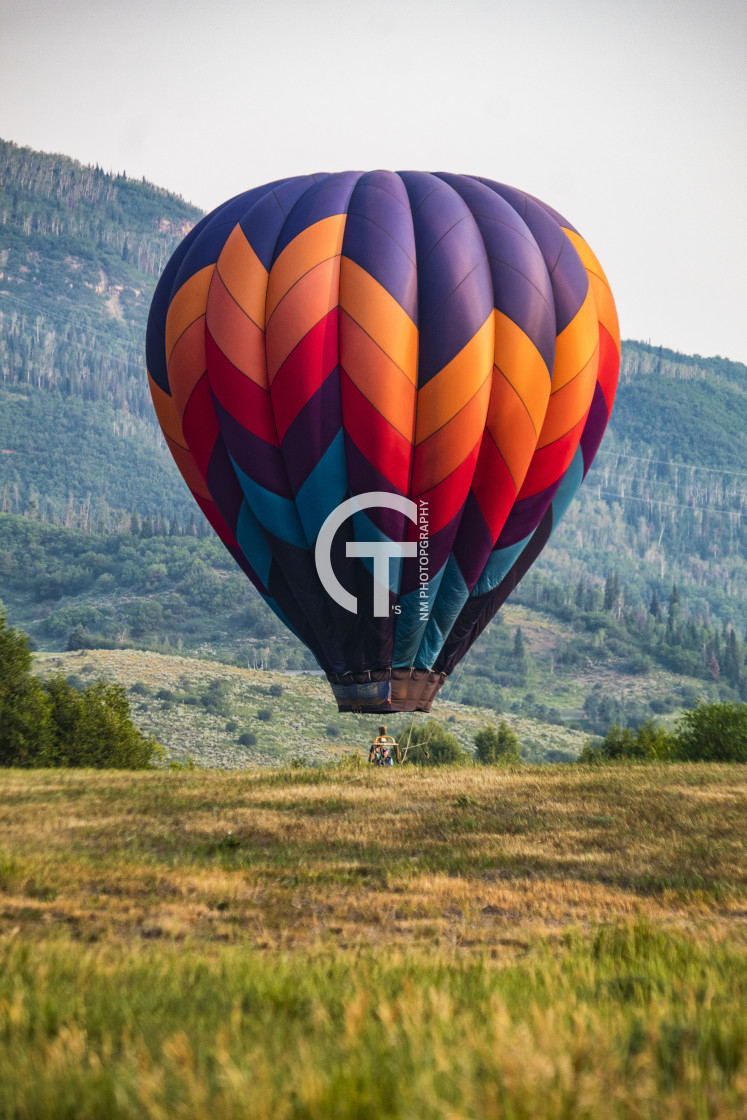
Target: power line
x,y
137,361
670,463
673,505
663,483
106,340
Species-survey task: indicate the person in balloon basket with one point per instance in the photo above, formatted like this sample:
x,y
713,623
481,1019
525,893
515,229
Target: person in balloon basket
x,y
380,753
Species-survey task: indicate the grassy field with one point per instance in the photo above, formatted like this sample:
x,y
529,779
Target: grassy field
x,y
348,942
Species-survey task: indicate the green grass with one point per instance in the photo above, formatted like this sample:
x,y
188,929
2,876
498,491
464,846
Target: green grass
x,y
623,1022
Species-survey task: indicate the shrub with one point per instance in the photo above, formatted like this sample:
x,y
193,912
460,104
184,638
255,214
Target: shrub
x,y
638,664
78,619
78,638
215,704
713,733
276,690
429,744
265,714
247,739
497,746
81,638
56,724
93,728
662,704
260,621
332,731
654,741
145,615
218,687
650,741
557,754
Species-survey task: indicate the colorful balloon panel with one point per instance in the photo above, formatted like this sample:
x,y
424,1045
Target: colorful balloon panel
x,y
437,338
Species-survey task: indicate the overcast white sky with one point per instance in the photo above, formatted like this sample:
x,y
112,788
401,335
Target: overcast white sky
x,y
630,117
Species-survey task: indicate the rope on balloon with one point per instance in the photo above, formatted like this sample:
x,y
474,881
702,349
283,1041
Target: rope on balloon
x,y
409,737
453,683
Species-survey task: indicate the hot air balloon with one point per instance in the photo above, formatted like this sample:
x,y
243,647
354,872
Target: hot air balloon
x,y
383,390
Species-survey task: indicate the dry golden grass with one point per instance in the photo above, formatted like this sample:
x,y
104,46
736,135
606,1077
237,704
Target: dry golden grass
x,y
476,858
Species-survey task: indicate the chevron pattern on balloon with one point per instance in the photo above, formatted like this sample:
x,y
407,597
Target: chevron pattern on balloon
x,y
442,338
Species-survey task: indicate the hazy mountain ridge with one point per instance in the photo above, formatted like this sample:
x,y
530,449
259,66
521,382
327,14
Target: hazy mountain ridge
x,y
52,195
641,359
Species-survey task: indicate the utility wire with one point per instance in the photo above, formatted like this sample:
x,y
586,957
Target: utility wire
x,y
673,505
668,463
684,484
106,340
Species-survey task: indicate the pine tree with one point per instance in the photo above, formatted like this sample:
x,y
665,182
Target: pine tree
x,y
731,661
674,617
611,592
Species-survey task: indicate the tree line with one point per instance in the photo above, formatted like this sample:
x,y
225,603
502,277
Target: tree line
x,y
52,723
661,634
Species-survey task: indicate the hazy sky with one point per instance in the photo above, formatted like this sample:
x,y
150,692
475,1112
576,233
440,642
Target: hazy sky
x,y
630,117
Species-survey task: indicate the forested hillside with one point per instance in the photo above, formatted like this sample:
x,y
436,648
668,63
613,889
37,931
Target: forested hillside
x,y
80,253
560,653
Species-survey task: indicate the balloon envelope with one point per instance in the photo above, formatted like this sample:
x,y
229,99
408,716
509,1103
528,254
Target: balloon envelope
x,y
383,390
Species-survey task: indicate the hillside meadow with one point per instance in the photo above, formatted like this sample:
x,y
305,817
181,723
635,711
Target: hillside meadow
x,y
198,710
344,941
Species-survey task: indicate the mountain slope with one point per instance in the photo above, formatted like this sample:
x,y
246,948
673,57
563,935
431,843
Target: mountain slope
x,y
688,410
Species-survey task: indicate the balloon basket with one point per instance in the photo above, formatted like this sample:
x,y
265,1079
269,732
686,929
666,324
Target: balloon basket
x,y
386,690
